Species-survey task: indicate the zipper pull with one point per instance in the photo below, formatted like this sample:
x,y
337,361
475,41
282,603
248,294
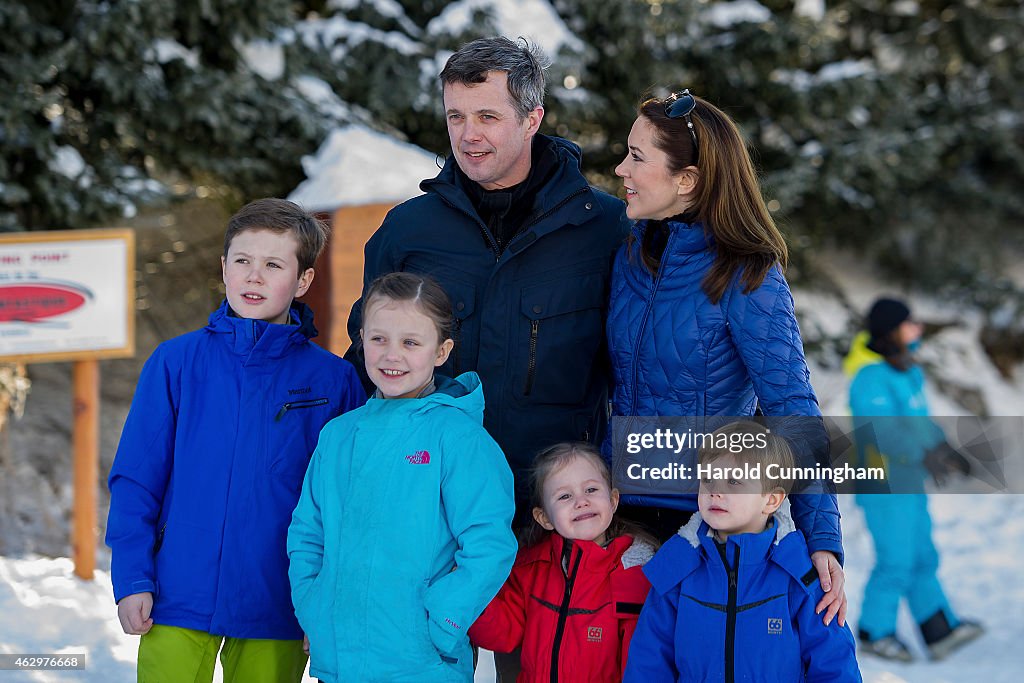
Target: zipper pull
x,y
280,413
734,569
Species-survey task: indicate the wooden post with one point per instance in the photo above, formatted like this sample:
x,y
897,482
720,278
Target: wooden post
x,y
85,391
351,227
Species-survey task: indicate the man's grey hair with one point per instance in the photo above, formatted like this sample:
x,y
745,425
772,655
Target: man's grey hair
x,y
524,63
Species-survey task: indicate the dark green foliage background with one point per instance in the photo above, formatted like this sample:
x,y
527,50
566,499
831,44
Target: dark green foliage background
x,y
914,160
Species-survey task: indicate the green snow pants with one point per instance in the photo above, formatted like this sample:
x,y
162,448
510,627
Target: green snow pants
x,y
169,654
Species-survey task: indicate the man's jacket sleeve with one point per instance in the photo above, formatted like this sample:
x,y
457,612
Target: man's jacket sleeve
x,y
139,477
477,495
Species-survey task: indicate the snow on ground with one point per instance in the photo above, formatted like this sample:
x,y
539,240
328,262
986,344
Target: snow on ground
x,y
981,543
45,609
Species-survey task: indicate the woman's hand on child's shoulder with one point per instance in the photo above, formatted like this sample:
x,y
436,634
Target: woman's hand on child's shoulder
x,y
833,582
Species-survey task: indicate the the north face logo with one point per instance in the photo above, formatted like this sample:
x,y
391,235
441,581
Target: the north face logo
x,y
594,634
774,626
419,458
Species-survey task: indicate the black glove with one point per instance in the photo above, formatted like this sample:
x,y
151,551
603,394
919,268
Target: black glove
x,y
944,460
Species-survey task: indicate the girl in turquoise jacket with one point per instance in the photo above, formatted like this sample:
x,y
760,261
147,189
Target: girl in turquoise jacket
x,y
402,534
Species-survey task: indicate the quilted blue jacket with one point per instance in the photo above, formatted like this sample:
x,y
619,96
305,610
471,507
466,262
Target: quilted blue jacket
x,y
674,353
743,611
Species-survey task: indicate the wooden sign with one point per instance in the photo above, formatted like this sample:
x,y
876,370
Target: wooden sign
x,y
67,295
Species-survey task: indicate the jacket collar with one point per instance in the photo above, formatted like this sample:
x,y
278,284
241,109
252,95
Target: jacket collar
x,y
464,393
684,238
595,558
694,544
566,181
247,336
755,546
860,355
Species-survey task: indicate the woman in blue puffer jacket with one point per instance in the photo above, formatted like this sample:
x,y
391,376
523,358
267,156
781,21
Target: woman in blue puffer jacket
x,y
701,319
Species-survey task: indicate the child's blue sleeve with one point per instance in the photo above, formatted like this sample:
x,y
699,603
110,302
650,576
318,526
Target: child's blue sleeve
x,y
828,652
306,534
139,477
478,499
652,648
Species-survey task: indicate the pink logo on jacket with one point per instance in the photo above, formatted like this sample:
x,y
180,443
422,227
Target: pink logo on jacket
x,y
419,458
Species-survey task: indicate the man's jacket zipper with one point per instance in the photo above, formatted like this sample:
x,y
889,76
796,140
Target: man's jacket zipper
x,y
532,365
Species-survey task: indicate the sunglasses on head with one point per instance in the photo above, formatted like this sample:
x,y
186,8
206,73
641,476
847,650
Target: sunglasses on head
x,y
680,105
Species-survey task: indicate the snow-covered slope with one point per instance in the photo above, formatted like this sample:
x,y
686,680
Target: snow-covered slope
x,y
45,609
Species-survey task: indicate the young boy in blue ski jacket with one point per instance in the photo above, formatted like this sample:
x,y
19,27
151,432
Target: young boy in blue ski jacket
x,y
211,460
733,593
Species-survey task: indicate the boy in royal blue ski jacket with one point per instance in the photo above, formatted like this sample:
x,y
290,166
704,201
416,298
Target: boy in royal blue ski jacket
x,y
733,594
212,458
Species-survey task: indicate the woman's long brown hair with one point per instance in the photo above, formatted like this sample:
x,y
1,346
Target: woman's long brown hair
x,y
728,196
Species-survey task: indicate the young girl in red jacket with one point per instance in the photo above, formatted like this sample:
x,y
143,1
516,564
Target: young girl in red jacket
x,y
576,589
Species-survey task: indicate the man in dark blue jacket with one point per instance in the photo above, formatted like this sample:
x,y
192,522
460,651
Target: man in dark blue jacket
x,y
523,246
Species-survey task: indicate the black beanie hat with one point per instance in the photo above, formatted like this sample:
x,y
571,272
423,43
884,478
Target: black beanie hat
x,y
885,316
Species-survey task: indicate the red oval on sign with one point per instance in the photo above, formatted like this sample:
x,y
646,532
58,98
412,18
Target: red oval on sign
x,y
20,302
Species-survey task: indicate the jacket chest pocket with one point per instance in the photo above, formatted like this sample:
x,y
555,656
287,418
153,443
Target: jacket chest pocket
x,y
463,355
562,334
294,430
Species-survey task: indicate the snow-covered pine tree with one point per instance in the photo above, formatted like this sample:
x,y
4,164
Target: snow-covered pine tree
x,y
383,56
99,96
889,126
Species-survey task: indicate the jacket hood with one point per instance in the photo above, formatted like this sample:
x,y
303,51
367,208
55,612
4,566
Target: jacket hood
x,y
860,355
272,340
464,392
780,543
697,529
623,549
